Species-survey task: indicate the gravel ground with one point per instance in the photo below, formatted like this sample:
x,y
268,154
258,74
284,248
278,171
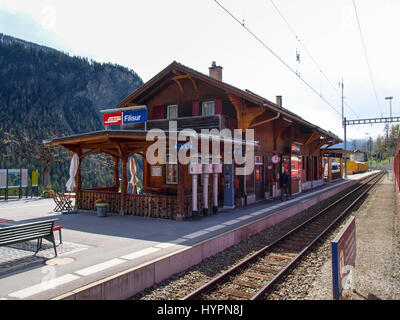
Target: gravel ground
x,y
377,274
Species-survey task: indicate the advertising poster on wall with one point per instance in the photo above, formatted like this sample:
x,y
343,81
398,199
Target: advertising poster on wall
x,y
3,178
14,178
24,178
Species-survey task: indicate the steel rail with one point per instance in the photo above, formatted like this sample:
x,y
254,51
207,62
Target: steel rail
x,y
255,255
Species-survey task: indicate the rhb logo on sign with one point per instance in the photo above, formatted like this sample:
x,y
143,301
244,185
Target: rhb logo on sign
x,y
111,119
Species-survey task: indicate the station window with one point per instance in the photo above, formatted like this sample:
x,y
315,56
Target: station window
x,y
172,111
208,108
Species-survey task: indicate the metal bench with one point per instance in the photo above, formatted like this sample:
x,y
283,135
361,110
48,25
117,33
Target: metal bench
x,y
29,231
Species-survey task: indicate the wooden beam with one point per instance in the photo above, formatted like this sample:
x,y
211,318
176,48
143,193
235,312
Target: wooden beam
x,y
179,85
186,76
312,137
237,103
281,129
120,151
266,121
136,151
99,150
245,114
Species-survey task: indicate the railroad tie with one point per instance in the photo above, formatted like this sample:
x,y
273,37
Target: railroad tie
x,y
275,263
236,293
256,275
264,269
287,253
247,284
279,257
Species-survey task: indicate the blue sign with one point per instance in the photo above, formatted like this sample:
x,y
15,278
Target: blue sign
x,y
229,187
343,257
185,146
134,116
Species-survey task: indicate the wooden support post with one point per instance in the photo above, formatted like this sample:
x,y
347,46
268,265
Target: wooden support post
x,y
329,170
124,185
341,168
116,173
78,181
180,214
146,173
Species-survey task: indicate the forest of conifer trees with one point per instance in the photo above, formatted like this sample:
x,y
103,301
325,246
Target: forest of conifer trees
x,y
46,93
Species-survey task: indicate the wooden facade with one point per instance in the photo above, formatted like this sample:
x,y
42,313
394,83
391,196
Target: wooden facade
x,y
197,101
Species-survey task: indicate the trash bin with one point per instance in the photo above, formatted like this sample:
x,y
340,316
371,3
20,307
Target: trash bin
x,y
101,210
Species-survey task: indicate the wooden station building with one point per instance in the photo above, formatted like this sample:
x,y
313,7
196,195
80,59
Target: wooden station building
x,y
193,100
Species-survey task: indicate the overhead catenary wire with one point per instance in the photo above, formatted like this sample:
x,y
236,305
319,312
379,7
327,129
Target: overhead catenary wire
x,y
310,55
366,57
279,58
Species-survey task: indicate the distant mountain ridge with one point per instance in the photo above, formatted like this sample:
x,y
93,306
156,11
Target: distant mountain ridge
x,y
46,93
5,39
105,92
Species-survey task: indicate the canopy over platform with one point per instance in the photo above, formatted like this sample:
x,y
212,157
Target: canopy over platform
x,y
174,203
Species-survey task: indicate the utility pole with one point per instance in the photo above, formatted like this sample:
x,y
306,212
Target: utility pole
x,y
341,85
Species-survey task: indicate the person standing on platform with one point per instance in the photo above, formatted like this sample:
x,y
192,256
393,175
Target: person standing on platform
x,y
284,182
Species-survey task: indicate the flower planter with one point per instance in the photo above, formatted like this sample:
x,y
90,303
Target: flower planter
x,y
101,210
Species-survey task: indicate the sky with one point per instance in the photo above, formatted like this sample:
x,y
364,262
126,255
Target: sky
x,y
146,36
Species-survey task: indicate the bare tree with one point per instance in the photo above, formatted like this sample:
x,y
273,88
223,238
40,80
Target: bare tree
x,y
46,155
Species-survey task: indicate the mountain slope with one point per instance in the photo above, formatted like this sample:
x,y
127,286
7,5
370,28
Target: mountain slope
x,y
46,93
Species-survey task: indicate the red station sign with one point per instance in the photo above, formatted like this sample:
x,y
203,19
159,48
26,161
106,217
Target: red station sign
x,y
111,119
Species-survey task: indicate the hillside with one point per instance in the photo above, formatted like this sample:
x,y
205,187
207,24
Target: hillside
x,y
46,93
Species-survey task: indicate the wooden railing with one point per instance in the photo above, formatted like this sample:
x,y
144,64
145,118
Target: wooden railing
x,y
87,199
155,206
188,205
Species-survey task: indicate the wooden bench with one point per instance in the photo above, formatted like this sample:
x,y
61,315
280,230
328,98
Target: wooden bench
x,y
29,231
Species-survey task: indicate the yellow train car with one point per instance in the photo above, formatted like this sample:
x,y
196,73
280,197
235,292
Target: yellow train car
x,y
354,167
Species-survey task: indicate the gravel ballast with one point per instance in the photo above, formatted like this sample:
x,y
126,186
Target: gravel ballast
x,y
377,264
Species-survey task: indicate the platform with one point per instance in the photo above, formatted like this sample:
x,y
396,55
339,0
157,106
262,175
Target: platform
x,y
115,257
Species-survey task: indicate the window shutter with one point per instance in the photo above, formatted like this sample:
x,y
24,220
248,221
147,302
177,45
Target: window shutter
x,y
158,112
218,106
196,109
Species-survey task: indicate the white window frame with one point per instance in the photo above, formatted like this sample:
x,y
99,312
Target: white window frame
x,y
205,105
172,106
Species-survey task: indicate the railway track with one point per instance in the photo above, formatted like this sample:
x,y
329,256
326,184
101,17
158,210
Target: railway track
x,y
253,277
